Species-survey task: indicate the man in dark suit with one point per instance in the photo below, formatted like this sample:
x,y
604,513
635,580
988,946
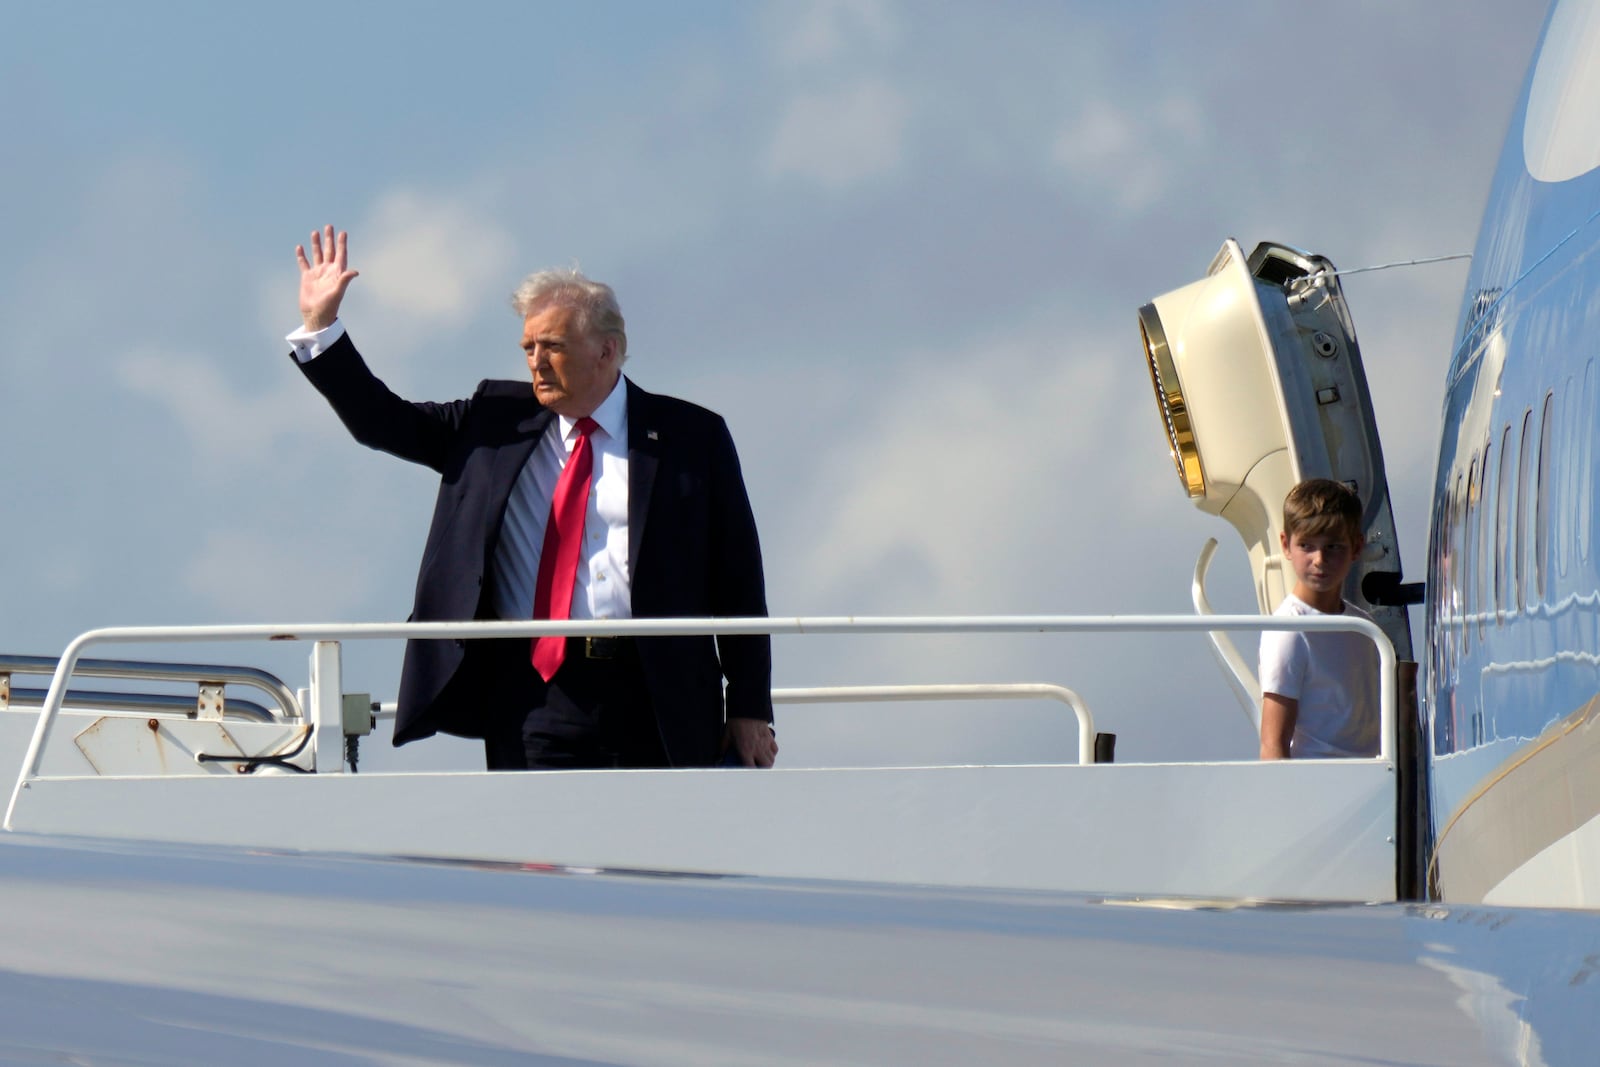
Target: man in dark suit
x,y
657,524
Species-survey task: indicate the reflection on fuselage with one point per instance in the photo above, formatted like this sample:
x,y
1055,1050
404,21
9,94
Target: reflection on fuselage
x,y
1513,609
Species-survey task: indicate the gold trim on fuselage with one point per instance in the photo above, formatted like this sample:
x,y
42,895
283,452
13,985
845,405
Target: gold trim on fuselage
x,y
1546,791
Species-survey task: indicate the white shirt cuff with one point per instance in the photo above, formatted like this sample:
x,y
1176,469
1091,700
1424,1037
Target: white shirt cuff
x,y
309,344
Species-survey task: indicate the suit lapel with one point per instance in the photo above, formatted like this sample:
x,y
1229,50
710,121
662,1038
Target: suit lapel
x,y
644,453
507,465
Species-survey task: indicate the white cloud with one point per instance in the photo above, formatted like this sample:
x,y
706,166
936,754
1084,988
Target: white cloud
x,y
943,513
429,259
841,137
1129,157
823,30
230,428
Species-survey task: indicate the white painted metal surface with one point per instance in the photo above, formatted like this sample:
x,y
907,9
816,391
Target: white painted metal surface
x,y
1564,874
1306,830
222,956
1296,830
126,744
327,707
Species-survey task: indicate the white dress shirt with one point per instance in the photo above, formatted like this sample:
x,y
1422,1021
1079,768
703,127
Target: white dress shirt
x,y
603,586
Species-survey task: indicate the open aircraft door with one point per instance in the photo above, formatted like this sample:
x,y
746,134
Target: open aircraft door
x,y
1260,385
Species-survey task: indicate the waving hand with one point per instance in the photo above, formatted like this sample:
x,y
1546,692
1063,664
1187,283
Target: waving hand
x,y
324,278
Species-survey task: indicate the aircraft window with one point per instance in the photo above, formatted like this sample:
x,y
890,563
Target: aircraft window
x,y
1458,566
1440,592
1469,549
1563,488
1586,465
1502,524
1521,543
1439,599
1541,497
1485,545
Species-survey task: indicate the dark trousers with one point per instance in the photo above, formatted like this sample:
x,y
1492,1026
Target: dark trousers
x,y
595,713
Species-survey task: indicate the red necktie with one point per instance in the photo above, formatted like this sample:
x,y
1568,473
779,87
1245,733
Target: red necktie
x,y
563,538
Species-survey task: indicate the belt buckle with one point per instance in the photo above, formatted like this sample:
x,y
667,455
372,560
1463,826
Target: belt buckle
x,y
599,648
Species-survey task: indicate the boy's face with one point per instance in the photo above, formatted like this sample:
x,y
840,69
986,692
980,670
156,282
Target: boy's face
x,y
1321,561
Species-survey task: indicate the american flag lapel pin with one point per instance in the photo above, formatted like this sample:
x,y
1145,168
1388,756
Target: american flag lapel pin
x,y
651,435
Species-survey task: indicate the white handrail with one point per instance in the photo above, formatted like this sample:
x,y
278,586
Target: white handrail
x,y
1241,679
882,694
1004,691
995,624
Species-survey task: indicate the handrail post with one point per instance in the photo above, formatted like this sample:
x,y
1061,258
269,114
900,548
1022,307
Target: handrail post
x,y
47,718
327,708
1388,690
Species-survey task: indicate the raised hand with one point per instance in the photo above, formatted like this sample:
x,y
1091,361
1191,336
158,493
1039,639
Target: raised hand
x,y
324,278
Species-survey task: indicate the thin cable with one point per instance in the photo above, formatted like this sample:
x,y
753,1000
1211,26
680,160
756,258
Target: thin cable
x,y
248,764
1387,266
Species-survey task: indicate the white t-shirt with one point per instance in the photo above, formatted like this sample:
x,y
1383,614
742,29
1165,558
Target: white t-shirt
x,y
1334,676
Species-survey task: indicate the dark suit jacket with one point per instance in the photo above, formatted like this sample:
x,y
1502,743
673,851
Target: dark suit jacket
x,y
692,545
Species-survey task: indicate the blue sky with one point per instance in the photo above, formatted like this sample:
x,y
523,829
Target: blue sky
x,y
899,246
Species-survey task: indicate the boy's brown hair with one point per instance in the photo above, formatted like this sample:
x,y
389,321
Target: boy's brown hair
x,y
1318,507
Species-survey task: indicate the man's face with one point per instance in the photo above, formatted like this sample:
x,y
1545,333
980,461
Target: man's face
x,y
572,370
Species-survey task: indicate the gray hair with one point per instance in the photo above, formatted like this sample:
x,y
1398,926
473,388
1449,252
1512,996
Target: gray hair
x,y
595,302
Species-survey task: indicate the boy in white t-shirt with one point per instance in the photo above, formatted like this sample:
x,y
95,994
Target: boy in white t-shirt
x,y
1319,691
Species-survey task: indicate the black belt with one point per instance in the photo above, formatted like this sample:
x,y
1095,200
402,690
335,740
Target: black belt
x,y
599,647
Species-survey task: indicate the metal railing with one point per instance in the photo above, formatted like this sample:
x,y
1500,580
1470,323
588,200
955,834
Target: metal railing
x,y
144,704
198,674
878,694
325,707
884,694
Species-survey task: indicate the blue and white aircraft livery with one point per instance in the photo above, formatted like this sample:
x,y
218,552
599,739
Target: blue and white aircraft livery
x,y
1513,620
